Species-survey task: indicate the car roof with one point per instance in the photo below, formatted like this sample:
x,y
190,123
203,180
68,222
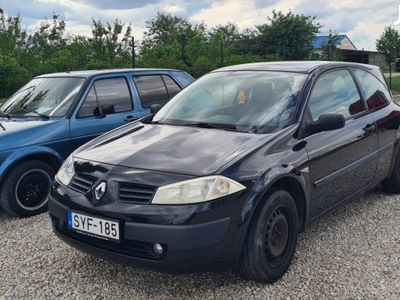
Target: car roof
x,y
89,73
290,66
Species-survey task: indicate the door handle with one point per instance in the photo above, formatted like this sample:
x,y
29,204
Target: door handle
x,y
130,119
369,128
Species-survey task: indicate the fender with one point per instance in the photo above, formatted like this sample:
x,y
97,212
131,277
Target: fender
x,y
20,154
395,151
267,180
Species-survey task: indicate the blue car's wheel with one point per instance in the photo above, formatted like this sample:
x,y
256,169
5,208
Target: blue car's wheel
x,y
25,188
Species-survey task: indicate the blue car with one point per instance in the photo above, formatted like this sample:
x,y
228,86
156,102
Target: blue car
x,y
53,114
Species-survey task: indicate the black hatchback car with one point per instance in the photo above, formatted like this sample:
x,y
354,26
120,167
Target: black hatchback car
x,y
232,168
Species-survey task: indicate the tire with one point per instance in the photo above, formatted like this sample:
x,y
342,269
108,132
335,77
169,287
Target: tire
x,y
25,188
271,239
392,184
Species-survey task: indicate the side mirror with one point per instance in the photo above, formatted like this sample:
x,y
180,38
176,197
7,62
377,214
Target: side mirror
x,y
154,108
325,122
105,109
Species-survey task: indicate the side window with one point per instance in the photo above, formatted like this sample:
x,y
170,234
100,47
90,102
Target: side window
x,y
112,92
335,92
375,92
151,90
172,87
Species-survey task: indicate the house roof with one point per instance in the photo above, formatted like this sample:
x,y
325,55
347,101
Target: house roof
x,y
322,39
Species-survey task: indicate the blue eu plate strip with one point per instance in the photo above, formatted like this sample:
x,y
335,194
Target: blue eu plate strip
x,y
69,219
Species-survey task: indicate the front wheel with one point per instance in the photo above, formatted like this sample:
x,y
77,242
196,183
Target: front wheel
x,y
25,188
271,239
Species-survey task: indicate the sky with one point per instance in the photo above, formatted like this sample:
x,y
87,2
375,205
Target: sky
x,y
362,21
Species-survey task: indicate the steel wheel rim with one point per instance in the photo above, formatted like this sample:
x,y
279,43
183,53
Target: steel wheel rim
x,y
32,189
276,237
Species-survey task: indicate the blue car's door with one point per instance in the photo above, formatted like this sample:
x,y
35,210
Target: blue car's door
x,y
107,104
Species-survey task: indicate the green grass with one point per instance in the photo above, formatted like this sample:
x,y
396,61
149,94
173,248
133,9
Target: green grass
x,y
394,84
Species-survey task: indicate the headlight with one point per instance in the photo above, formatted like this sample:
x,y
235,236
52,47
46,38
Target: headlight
x,y
196,190
66,171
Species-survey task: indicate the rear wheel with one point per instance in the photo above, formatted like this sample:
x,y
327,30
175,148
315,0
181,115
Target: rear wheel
x,y
271,239
25,188
392,184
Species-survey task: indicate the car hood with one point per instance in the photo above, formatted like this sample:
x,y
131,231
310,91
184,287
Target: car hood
x,y
166,148
17,133
9,126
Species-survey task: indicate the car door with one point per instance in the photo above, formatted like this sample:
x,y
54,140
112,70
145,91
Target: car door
x,y
342,161
107,105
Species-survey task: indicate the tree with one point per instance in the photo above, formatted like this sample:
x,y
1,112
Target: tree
x,y
79,51
223,39
389,43
330,50
229,32
290,36
249,43
162,56
169,41
13,41
12,75
109,50
44,46
166,29
12,36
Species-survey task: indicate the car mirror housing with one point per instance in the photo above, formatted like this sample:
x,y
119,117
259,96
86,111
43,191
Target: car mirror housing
x,y
325,122
105,109
154,108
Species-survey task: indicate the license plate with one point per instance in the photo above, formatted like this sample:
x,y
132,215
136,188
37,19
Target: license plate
x,y
93,226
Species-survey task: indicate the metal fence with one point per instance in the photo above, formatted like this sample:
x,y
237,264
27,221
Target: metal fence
x,y
12,79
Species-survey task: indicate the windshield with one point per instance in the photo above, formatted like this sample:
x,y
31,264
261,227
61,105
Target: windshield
x,y
44,96
251,101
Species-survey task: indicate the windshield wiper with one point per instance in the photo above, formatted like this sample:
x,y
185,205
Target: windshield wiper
x,y
4,114
213,125
218,126
157,122
36,113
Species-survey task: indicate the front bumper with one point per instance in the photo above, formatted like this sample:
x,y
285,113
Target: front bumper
x,y
199,237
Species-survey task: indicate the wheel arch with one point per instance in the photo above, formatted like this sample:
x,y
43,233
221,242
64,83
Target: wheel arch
x,y
295,189
396,149
264,272
293,182
47,155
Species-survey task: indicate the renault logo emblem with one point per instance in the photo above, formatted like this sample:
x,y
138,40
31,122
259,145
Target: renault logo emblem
x,y
100,190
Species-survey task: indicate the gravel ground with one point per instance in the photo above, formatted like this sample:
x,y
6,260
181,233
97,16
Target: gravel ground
x,y
354,253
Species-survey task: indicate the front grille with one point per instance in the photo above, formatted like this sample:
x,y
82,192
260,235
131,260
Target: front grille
x,y
82,182
135,193
125,247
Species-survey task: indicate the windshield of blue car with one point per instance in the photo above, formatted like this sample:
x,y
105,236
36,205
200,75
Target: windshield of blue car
x,y
257,102
50,97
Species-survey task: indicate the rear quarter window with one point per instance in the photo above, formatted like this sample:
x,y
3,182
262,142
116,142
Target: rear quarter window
x,y
375,92
155,89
